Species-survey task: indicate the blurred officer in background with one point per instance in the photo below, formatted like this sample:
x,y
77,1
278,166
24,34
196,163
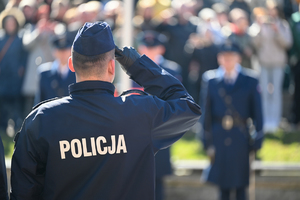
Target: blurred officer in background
x,y
3,177
152,45
231,98
92,145
55,77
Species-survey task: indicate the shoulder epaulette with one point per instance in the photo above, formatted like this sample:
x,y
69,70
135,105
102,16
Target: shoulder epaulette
x,y
208,75
42,102
251,73
44,67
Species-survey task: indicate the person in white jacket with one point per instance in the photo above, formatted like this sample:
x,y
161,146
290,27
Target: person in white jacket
x,y
272,38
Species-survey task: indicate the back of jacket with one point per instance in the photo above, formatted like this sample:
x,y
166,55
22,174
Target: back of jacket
x,y
92,145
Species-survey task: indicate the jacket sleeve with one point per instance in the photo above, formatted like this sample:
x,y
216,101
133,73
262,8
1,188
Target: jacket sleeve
x,y
173,110
284,35
31,37
255,33
257,117
27,169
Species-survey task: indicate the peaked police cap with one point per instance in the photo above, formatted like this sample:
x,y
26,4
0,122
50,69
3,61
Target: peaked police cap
x,y
229,46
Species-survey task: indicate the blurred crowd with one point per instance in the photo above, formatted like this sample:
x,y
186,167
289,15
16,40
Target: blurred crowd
x,y
35,32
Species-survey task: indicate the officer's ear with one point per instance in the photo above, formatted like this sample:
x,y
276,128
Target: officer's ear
x,y
111,67
71,67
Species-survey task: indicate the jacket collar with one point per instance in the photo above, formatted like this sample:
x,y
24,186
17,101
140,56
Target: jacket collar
x,y
234,75
238,82
88,86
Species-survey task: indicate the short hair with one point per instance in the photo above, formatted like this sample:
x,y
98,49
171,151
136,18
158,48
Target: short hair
x,y
85,65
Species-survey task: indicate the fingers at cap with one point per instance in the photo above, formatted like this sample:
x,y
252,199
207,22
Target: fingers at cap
x,y
118,52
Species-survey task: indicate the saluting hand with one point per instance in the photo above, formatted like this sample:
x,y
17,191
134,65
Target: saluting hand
x,y
126,57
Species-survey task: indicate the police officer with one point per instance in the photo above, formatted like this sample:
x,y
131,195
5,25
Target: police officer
x,y
152,45
55,77
92,145
3,177
231,99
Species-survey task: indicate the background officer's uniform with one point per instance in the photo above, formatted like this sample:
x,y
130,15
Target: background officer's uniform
x,y
227,106
112,140
52,81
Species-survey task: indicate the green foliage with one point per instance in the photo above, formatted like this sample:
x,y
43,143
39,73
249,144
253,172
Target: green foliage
x,y
277,147
188,148
8,144
281,147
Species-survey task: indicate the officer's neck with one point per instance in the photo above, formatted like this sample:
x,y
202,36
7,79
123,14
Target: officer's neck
x,y
107,75
105,78
92,79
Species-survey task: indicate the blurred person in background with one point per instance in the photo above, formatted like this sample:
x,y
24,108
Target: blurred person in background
x,y
242,4
90,11
240,36
59,9
221,11
152,45
29,9
12,66
37,41
231,100
295,61
209,19
178,29
204,58
144,20
72,20
55,77
112,13
272,38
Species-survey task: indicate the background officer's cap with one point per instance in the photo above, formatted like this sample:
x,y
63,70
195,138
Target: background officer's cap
x,y
152,38
63,38
93,39
229,46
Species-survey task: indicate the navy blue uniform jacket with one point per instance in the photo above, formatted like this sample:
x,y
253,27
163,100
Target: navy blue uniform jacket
x,y
92,145
231,166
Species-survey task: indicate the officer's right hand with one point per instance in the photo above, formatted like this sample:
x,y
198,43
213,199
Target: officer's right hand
x,y
126,57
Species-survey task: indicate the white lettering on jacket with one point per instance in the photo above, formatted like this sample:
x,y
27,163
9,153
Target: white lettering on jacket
x,y
96,146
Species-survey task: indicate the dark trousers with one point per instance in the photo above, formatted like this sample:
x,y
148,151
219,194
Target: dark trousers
x,y
240,194
296,103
